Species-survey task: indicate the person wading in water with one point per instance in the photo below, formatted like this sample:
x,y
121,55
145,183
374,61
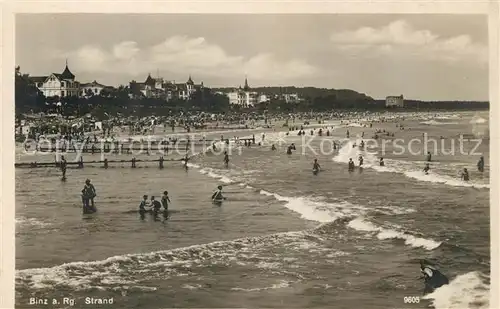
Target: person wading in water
x,y
63,167
88,195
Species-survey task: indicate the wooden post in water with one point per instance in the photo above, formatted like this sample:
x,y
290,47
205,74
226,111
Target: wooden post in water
x,y
80,163
133,162
105,163
161,162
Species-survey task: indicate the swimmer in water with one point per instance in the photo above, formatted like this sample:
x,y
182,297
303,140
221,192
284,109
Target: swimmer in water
x,y
433,278
360,159
289,150
382,162
465,175
226,159
350,165
480,164
273,147
426,169
156,205
63,167
143,204
88,194
316,166
165,200
218,194
429,156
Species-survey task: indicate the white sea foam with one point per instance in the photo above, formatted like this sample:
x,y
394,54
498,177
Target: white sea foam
x,y
209,172
324,212
361,224
443,179
128,269
445,117
402,167
437,123
477,120
310,210
33,222
347,152
191,287
279,285
465,291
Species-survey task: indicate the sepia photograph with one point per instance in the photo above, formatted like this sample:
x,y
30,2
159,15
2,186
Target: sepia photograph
x,y
252,160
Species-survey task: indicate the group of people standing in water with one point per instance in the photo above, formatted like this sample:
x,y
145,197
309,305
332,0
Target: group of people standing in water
x,y
464,174
154,206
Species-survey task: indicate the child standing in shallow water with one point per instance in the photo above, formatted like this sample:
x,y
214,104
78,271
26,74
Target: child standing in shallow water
x,y
165,200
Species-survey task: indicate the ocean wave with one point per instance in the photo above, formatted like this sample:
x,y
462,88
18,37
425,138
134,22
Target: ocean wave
x,y
361,224
437,123
121,270
325,212
477,120
279,285
468,290
445,117
191,287
406,168
126,272
209,172
32,222
443,179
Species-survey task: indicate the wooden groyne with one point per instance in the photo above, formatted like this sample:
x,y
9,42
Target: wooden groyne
x,y
106,149
104,163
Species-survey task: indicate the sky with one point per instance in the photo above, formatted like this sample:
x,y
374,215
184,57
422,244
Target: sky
x,y
425,57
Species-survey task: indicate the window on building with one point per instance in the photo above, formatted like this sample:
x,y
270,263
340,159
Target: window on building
x,y
40,84
62,84
62,93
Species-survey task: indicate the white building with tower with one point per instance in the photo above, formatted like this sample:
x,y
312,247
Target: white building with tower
x,y
58,84
394,101
244,96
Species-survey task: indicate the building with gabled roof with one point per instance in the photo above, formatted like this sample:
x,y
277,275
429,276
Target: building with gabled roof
x,y
57,84
91,89
160,88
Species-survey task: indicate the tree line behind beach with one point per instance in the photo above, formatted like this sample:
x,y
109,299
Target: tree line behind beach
x,y
118,102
